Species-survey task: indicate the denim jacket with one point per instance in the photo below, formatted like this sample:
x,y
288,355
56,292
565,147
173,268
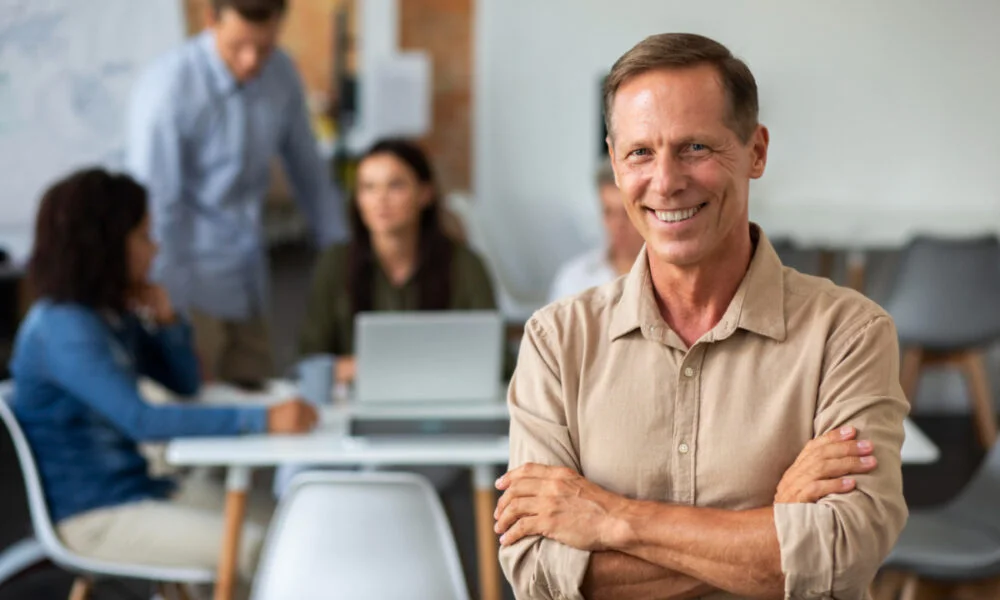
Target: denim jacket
x,y
76,397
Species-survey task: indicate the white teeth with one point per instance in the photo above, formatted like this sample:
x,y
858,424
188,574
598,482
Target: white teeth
x,y
673,216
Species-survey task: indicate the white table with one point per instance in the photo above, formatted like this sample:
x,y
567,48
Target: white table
x,y
917,448
329,446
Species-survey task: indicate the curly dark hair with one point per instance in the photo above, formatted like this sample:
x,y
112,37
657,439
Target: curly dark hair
x,y
80,253
435,249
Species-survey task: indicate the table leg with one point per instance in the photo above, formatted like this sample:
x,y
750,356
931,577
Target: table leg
x,y
487,545
237,483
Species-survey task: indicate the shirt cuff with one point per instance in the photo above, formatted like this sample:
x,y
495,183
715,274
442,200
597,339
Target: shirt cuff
x,y
806,537
563,570
251,420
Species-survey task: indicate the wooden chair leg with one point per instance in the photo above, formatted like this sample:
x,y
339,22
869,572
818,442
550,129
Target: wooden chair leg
x,y
916,588
983,410
909,372
888,585
81,589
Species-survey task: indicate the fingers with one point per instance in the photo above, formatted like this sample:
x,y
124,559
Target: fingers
x,y
534,471
523,527
517,489
848,465
843,449
307,416
518,508
835,435
818,490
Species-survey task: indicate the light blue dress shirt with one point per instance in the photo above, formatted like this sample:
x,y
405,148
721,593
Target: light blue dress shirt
x,y
202,143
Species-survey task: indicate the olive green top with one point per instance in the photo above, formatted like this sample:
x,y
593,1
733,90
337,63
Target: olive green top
x,y
329,321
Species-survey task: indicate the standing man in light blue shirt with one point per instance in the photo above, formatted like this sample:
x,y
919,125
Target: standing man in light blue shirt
x,y
204,123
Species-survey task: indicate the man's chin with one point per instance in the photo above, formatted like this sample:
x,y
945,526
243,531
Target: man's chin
x,y
678,253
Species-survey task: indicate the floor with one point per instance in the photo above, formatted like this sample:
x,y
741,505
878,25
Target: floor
x,y
924,485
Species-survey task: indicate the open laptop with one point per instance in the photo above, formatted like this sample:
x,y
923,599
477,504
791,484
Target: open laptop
x,y
428,357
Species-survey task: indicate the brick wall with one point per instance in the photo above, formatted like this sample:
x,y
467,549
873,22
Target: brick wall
x,y
443,28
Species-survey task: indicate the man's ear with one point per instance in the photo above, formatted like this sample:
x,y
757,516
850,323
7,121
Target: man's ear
x,y
759,143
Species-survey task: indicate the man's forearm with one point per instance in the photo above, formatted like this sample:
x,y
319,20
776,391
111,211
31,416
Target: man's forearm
x,y
736,551
612,575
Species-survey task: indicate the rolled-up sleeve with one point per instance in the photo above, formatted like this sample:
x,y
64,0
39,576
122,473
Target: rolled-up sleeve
x,y
832,549
538,567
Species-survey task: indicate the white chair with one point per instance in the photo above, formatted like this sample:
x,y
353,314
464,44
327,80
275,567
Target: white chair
x,y
45,534
359,535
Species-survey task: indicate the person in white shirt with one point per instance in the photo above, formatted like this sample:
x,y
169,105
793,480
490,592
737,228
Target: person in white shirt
x,y
601,265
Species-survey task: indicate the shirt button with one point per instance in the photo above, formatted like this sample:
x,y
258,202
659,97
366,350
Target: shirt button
x,y
688,372
683,448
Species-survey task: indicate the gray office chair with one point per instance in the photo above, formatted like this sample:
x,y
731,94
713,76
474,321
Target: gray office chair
x,y
958,542
805,260
946,305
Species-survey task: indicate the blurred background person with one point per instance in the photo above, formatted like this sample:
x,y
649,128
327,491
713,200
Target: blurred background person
x,y
97,327
204,123
601,265
400,258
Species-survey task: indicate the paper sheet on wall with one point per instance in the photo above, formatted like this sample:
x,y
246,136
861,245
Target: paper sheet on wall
x,y
66,69
401,95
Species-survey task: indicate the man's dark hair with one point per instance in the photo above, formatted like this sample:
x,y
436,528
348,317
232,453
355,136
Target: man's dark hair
x,y
256,11
80,252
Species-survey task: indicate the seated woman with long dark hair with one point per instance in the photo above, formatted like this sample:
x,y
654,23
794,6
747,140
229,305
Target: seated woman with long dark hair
x,y
97,327
400,258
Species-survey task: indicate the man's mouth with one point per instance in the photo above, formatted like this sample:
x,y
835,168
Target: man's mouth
x,y
676,216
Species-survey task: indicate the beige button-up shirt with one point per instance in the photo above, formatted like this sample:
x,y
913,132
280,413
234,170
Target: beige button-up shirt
x,y
604,386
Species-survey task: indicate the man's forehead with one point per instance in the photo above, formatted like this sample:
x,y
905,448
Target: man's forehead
x,y
677,98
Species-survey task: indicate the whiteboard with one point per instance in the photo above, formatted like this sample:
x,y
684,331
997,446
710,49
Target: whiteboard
x,y
66,69
890,104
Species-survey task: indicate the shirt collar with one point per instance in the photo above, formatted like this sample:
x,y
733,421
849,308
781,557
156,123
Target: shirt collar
x,y
222,77
758,305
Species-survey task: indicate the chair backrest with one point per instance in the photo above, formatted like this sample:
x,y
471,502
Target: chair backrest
x,y
359,535
946,293
40,519
979,500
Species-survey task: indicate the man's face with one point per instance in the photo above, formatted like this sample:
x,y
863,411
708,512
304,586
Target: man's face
x,y
684,174
623,238
244,45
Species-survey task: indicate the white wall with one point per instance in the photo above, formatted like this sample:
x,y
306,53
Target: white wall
x,y
894,102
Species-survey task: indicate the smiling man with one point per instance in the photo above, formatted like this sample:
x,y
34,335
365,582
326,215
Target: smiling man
x,y
204,123
714,424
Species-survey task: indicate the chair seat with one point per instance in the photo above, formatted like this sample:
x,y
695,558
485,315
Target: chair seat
x,y
938,545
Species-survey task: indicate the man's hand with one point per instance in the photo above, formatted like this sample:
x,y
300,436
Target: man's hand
x,y
293,416
151,301
823,467
558,503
